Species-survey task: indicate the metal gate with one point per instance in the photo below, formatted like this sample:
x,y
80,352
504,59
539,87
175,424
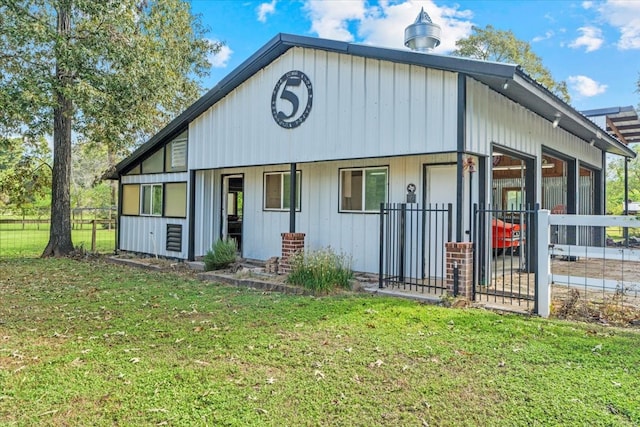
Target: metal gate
x,y
505,263
412,246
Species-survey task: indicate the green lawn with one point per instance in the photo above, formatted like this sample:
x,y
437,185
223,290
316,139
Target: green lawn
x,y
32,239
98,344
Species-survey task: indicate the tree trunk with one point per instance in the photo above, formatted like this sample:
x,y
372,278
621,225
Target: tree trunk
x,y
60,243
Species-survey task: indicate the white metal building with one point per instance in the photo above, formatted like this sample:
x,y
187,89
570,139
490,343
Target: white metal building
x,y
360,125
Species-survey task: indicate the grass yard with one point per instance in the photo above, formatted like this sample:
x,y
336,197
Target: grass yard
x,y
31,241
89,343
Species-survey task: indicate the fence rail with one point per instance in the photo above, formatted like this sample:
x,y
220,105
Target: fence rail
x,y
598,270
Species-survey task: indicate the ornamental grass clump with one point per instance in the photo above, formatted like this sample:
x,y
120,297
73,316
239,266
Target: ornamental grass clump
x,y
320,271
221,255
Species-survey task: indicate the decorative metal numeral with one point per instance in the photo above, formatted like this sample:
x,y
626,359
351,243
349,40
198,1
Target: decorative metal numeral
x,y
284,97
291,97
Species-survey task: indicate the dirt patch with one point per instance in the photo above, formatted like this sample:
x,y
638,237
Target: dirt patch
x,y
627,271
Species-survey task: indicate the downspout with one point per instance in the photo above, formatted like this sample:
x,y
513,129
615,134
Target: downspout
x,y
119,219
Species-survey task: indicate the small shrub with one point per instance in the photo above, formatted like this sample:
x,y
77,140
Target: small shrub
x,y
320,271
221,255
570,306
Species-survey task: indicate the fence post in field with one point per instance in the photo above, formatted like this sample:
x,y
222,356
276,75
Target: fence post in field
x,y
543,275
93,235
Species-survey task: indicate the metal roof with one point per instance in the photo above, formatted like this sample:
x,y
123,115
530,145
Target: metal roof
x,y
622,122
507,79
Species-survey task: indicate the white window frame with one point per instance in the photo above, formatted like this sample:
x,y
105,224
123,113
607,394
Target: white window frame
x,y
298,193
151,206
363,189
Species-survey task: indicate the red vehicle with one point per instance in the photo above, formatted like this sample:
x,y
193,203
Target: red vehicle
x,y
504,236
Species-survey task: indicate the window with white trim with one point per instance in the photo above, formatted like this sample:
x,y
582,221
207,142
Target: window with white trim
x,y
151,200
363,189
277,191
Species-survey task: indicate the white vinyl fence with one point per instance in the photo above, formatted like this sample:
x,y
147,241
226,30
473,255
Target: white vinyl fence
x,y
588,258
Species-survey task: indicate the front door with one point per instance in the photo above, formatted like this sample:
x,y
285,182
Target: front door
x,y
440,183
232,208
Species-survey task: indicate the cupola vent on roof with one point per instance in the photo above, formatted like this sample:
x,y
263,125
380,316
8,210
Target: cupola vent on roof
x,y
423,35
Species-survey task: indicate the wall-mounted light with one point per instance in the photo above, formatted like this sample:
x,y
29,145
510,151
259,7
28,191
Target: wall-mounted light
x,y
556,121
505,86
599,135
592,142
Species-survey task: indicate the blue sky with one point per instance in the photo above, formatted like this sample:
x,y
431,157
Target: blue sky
x,y
592,45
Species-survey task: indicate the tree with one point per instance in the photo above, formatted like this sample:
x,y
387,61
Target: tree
x,y
489,44
111,72
89,161
615,182
25,172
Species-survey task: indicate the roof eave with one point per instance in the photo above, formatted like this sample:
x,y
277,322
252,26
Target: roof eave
x,y
571,120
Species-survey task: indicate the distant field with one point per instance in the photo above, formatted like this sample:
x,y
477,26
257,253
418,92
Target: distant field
x,y
29,239
617,233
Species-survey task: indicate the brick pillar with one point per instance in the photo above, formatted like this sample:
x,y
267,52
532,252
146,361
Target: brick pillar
x,y
460,255
292,243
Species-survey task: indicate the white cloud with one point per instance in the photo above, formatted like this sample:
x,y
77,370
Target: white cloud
x,y
546,36
330,19
587,5
220,59
585,86
591,39
266,9
384,24
625,16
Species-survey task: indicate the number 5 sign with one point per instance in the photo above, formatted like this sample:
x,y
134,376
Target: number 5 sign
x,y
291,99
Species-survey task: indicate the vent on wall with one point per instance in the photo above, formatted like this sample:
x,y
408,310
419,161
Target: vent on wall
x,y
174,237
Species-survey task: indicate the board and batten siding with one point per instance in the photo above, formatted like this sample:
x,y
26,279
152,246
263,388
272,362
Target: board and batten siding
x,y
354,234
491,118
361,108
147,234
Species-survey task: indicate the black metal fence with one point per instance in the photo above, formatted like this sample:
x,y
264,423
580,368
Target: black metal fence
x,y
412,246
505,256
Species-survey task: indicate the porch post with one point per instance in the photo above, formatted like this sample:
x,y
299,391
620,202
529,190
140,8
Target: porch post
x,y
572,207
543,273
292,244
459,269
625,230
292,198
119,214
192,216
